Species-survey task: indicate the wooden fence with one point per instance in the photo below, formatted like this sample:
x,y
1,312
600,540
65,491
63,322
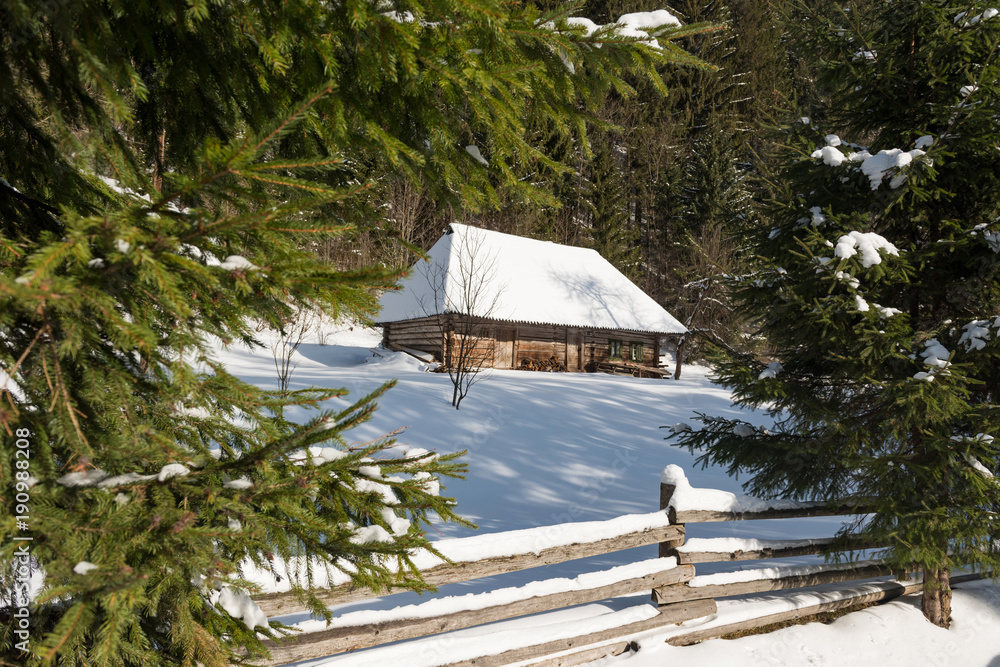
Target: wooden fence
x,y
777,578
540,550
679,595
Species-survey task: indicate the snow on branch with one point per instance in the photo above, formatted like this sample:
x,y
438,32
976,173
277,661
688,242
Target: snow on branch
x,y
992,238
876,166
980,440
976,334
960,18
867,244
771,371
937,357
643,26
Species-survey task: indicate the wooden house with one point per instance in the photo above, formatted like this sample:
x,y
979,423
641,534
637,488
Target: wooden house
x,y
495,300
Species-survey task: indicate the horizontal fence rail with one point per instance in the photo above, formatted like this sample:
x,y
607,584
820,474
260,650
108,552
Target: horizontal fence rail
x,y
890,590
700,550
802,510
664,618
772,581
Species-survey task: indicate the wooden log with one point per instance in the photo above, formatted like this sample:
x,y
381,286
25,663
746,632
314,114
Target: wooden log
x,y
817,547
587,655
417,354
550,365
426,345
890,591
630,368
666,493
706,606
422,344
536,332
285,603
668,594
845,507
402,338
400,327
423,338
334,640
668,616
531,347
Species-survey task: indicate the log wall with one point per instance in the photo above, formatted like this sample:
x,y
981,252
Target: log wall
x,y
477,351
597,341
541,342
424,334
505,345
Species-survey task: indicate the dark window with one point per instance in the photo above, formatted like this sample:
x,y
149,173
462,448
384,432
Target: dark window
x,y
614,349
635,351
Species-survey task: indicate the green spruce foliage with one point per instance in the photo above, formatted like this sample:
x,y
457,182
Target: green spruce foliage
x,y
610,231
878,292
168,171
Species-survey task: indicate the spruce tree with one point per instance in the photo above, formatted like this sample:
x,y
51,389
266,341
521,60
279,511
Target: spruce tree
x,y
715,213
878,292
167,172
703,201
707,133
610,230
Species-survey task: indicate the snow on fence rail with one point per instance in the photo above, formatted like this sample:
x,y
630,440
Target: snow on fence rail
x,y
492,554
679,595
686,504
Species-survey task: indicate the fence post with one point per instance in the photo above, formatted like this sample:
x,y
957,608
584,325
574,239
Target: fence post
x,y
666,493
683,609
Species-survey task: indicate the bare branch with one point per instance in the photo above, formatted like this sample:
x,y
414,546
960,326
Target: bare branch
x,y
466,299
283,347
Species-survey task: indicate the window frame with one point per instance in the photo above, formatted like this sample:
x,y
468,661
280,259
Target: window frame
x,y
613,344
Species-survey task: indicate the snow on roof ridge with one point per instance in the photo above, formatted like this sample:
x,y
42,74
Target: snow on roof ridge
x,y
532,281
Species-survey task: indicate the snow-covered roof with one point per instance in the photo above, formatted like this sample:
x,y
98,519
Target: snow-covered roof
x,y
523,280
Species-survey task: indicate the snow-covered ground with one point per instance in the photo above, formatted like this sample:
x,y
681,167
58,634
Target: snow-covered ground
x,y
891,635
548,448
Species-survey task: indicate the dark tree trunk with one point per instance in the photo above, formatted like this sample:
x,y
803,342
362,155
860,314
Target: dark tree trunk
x,y
158,162
937,597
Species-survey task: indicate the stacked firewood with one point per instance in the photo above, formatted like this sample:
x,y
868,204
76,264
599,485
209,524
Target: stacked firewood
x,y
551,365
